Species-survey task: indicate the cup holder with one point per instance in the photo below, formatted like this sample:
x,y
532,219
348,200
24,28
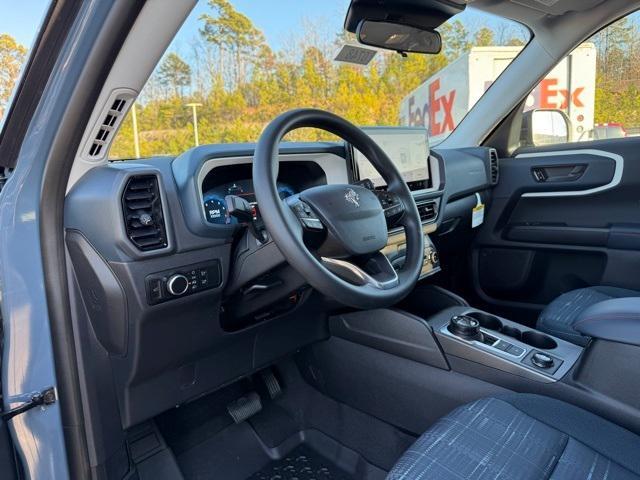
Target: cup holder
x,y
486,320
530,337
538,340
512,332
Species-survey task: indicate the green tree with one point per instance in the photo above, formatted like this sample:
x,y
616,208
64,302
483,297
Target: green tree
x,y
232,32
12,56
174,74
484,37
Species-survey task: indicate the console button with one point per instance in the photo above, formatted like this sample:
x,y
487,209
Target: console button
x,y
155,290
515,350
502,345
542,360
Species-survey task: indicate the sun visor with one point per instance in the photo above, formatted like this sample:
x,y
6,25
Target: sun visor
x,y
427,14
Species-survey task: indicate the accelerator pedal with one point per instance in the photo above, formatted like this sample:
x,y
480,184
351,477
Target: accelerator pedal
x,y
244,407
271,382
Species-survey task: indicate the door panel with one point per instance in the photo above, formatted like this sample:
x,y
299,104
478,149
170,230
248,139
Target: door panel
x,y
562,217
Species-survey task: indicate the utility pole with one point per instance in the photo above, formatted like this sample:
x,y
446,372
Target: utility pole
x,y
194,107
136,140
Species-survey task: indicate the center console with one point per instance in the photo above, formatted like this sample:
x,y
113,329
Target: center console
x,y
502,344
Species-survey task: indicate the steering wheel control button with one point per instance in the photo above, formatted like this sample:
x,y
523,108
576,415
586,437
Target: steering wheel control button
x,y
181,282
178,285
465,327
542,360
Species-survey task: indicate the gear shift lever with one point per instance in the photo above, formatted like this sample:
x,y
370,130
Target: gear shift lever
x,y
465,327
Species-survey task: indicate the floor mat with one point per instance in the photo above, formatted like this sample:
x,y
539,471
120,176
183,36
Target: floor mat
x,y
301,464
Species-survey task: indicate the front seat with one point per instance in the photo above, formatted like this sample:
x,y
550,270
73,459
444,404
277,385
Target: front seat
x,y
561,315
521,437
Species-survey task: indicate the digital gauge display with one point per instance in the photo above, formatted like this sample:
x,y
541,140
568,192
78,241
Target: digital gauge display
x,y
215,210
215,207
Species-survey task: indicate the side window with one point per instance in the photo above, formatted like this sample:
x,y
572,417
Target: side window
x,y
592,94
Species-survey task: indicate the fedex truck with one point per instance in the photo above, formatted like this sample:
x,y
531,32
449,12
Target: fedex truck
x,y
441,102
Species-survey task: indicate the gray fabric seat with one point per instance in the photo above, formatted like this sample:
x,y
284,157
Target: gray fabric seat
x,y
560,316
521,437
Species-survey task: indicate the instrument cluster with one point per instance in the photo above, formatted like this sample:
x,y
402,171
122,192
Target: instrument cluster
x,y
215,207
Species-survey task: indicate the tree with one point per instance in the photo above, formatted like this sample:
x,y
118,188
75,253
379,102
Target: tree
x,y
174,74
12,56
455,39
484,37
232,32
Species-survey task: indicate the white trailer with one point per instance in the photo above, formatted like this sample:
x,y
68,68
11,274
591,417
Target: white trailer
x,y
443,100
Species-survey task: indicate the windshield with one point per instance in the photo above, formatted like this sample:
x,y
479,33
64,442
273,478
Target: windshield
x,y
234,66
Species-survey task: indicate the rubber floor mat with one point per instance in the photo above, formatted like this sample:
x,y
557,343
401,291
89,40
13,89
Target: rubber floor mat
x,y
302,463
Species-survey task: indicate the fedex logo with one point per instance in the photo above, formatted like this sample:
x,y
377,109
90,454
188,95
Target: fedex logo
x,y
438,110
548,95
433,105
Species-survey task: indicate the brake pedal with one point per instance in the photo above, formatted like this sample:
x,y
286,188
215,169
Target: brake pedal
x,y
244,407
271,381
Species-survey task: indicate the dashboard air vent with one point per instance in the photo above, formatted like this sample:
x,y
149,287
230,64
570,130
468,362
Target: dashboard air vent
x,y
428,211
494,170
142,211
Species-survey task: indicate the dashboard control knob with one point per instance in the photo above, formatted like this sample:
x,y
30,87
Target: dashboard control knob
x,y
177,284
465,327
542,360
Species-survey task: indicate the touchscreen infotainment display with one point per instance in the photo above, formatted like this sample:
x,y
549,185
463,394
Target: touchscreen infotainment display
x,y
407,147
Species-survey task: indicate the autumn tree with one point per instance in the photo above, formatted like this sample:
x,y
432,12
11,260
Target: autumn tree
x,y
174,74
12,56
484,38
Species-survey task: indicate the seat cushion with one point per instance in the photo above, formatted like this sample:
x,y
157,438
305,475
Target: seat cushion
x,y
560,315
521,437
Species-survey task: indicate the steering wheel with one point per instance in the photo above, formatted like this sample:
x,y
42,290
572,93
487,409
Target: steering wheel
x,y
346,264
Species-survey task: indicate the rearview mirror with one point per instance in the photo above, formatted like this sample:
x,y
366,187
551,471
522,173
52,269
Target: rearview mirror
x,y
545,127
398,37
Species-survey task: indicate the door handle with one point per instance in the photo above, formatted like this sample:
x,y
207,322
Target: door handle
x,y
560,173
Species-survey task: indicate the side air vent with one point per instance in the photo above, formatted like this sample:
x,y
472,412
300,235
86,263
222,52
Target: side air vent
x,y
142,211
108,123
494,170
428,211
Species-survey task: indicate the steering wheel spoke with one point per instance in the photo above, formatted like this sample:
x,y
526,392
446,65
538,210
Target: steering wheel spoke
x,y
392,206
376,271
306,216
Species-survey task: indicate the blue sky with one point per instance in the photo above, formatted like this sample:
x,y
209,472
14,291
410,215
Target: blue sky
x,y
275,17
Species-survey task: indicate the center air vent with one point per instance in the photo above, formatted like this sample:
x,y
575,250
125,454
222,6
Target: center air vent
x,y
142,211
494,170
428,211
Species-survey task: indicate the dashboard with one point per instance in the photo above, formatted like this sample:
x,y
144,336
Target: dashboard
x,y
164,268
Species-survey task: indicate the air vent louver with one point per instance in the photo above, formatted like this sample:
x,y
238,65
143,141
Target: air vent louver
x,y
142,211
494,170
428,211
111,120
